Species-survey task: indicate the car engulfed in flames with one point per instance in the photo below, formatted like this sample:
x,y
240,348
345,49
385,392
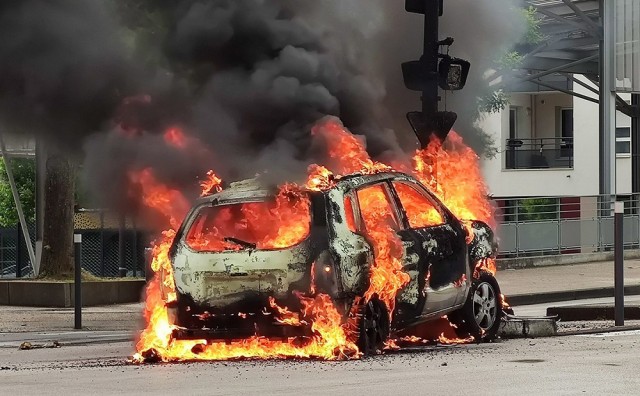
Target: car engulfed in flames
x,y
342,266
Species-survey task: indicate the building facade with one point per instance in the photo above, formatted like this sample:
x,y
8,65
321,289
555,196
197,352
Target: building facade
x,y
544,178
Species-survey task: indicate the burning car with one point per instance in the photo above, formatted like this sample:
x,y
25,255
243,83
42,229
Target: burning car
x,y
246,261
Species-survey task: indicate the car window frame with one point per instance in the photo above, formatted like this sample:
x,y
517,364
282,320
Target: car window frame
x,y
439,206
357,212
352,198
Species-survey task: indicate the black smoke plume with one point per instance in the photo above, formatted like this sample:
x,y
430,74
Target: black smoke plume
x,y
246,78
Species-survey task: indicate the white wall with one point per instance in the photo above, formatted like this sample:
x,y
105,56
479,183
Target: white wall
x,y
581,180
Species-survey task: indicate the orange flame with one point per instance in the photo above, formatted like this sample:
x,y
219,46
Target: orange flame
x,y
328,342
212,184
452,172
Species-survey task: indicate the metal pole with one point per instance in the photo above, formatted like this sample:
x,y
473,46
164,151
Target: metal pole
x,y
607,103
635,148
122,270
18,253
430,58
77,303
102,243
134,248
41,171
16,199
619,264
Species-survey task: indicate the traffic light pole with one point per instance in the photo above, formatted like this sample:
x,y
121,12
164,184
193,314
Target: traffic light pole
x,y
430,58
432,72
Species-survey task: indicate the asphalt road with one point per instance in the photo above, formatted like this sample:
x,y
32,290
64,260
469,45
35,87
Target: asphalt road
x,y
601,364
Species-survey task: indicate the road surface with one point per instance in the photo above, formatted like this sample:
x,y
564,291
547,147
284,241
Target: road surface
x,y
600,364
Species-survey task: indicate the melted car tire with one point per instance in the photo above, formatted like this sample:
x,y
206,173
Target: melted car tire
x,y
477,307
374,327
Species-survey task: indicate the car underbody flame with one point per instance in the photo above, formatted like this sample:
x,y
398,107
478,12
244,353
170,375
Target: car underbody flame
x,y
450,169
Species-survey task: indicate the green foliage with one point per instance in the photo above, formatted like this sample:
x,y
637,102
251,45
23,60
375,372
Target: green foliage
x,y
24,173
510,60
533,34
497,101
538,209
493,102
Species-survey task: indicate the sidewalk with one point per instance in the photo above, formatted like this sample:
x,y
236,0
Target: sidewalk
x,y
120,317
521,287
566,282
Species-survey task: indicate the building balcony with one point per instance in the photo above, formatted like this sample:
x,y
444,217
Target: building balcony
x,y
539,153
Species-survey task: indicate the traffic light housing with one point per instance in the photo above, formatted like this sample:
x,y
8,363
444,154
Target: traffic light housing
x,y
417,6
453,73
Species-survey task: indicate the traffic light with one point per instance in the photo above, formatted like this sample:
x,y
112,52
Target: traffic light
x,y
418,6
451,76
453,73
434,70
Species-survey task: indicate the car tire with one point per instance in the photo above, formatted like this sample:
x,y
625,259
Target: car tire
x,y
481,314
373,329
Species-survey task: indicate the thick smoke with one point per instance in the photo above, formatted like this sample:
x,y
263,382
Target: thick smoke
x,y
246,78
63,69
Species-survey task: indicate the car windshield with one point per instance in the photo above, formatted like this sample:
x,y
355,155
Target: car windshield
x,y
281,222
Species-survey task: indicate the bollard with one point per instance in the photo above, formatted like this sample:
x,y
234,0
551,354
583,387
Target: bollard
x,y
77,303
619,264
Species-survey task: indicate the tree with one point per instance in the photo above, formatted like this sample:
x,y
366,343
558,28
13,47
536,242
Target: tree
x,y
497,101
24,173
57,244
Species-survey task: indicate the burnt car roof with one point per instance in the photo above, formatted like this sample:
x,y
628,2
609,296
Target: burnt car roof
x,y
240,190
254,189
357,180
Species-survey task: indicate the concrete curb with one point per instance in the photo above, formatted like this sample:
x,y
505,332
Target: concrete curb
x,y
568,295
593,312
61,294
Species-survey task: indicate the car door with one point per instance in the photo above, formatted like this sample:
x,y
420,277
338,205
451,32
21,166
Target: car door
x,y
442,246
379,215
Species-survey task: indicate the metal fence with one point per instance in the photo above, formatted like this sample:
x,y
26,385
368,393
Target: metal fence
x,y
100,252
525,227
14,257
539,153
549,226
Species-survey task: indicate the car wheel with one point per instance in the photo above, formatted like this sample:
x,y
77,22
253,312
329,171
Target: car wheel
x,y
374,327
482,313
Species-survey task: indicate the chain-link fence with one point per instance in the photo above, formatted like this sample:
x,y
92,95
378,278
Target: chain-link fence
x,y
101,253
100,250
14,256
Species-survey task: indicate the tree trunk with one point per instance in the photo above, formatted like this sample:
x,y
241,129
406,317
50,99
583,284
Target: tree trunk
x,y
57,238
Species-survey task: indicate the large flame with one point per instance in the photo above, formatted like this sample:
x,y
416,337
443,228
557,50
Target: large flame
x,y
450,170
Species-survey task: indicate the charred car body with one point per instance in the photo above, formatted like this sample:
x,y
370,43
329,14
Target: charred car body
x,y
226,289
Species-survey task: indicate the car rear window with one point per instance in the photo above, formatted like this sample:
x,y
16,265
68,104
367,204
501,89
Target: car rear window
x,y
272,224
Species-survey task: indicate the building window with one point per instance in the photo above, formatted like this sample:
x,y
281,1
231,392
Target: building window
x,y
566,133
513,122
566,124
623,141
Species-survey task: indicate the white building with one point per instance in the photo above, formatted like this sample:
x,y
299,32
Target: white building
x,y
548,146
